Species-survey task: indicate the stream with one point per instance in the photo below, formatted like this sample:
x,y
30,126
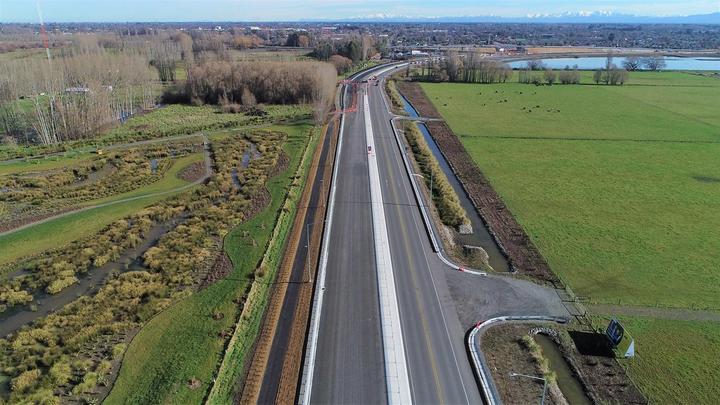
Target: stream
x,y
249,155
18,316
569,385
481,235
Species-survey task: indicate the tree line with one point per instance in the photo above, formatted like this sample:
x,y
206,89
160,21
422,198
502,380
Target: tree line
x,y
248,83
357,49
473,68
69,97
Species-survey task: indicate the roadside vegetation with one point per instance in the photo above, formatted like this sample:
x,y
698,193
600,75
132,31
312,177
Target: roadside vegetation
x,y
617,187
396,101
226,386
445,200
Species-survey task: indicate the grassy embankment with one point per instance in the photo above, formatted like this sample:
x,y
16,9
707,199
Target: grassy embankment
x,y
619,188
182,342
358,67
396,102
47,163
58,232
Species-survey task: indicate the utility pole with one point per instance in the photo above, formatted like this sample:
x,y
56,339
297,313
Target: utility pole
x,y
543,379
431,183
307,254
307,251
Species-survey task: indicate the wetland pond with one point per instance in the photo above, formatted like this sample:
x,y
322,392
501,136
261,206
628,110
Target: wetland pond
x,y
89,283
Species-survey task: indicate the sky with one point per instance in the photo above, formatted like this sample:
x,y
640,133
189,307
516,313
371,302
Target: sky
x,y
291,10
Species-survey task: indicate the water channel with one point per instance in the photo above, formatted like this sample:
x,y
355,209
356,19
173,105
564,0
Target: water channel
x,y
43,304
481,236
571,388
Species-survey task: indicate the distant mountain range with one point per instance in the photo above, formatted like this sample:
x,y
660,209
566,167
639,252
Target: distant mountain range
x,y
603,17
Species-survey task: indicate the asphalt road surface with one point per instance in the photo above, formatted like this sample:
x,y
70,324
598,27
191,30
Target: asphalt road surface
x,y
349,364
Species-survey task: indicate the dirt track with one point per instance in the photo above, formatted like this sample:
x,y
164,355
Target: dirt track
x,y
275,369
523,255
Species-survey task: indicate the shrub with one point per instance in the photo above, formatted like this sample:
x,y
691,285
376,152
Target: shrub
x,y
446,201
25,380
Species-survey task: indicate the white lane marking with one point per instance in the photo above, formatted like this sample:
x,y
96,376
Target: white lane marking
x,y
396,373
432,279
313,334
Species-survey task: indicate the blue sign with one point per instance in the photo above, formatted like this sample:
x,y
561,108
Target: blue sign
x,y
615,332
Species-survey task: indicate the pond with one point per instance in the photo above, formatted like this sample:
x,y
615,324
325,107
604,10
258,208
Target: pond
x,y
44,304
589,63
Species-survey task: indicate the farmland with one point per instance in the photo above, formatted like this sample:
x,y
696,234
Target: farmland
x,y
613,207
682,368
618,187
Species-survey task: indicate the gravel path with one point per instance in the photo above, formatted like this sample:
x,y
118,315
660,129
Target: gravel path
x,y
208,173
673,314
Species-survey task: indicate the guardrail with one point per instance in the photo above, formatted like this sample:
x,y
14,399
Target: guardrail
x,y
436,245
492,397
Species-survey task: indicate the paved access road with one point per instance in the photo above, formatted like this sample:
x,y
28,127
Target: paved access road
x,y
349,366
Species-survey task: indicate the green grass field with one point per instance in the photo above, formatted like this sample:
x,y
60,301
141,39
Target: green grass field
x,y
61,231
182,342
618,215
620,190
637,112
43,164
676,361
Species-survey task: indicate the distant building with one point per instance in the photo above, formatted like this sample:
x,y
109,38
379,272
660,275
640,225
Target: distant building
x,y
77,90
416,53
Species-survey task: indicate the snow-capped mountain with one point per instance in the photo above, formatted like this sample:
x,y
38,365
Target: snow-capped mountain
x,y
607,17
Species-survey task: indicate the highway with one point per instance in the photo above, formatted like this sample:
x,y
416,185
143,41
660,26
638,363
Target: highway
x,y
350,351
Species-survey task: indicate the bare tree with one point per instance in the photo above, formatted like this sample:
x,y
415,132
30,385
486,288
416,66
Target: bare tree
x,y
185,42
268,82
453,66
609,65
654,63
631,63
341,63
598,76
617,77
366,42
570,76
550,76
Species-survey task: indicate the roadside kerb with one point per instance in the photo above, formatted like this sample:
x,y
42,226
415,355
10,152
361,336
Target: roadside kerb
x,y
305,390
308,369
396,373
492,397
437,248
